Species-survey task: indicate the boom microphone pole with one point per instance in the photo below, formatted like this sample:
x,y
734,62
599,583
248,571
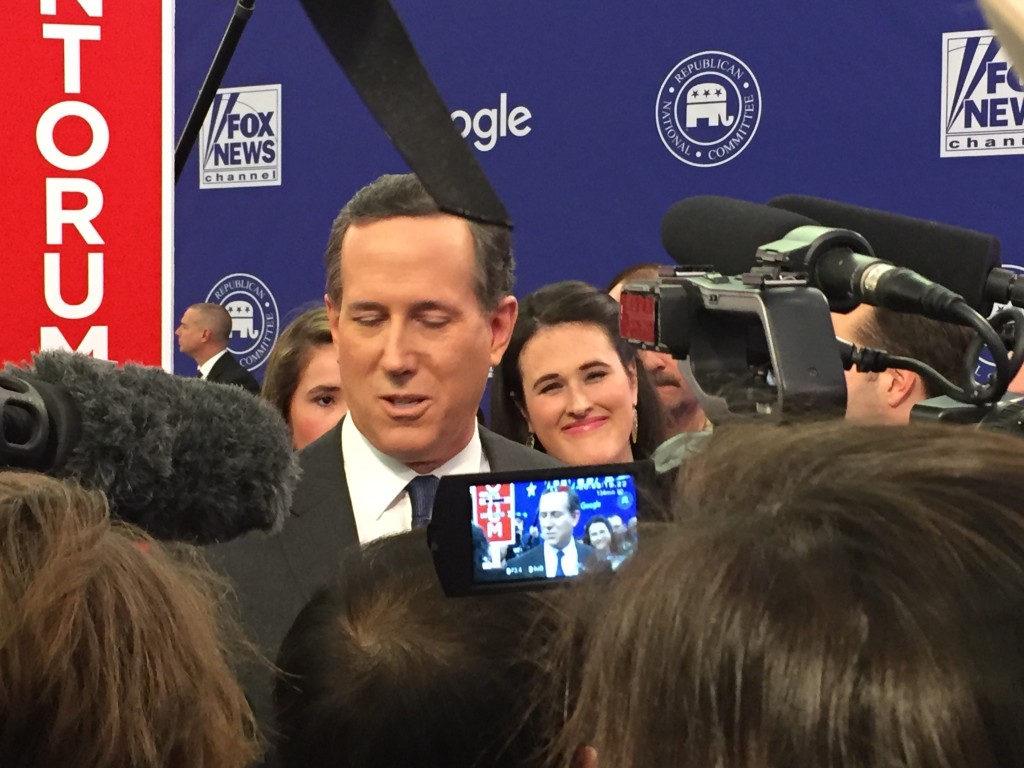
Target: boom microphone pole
x,y
187,140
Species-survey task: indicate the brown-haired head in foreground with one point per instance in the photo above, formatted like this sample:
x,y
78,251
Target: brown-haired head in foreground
x,y
831,596
110,651
381,669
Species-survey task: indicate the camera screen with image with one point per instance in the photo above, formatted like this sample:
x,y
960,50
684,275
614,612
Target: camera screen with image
x,y
520,527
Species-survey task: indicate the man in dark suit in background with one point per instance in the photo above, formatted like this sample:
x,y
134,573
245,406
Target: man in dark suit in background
x,y
558,512
420,308
203,335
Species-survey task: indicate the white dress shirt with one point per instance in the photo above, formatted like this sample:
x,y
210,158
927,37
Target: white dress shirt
x,y
376,481
570,560
205,368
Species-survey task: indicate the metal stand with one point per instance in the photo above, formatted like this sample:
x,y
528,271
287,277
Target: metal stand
x,y
243,10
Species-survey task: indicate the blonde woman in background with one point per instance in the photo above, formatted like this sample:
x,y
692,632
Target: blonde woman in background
x,y
302,380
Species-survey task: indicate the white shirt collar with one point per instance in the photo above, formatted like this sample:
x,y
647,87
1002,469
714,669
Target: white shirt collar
x,y
376,481
205,368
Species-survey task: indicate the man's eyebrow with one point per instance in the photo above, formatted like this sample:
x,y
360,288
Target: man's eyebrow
x,y
366,306
428,305
432,305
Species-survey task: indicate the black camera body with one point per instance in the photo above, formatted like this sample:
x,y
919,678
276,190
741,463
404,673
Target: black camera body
x,y
760,343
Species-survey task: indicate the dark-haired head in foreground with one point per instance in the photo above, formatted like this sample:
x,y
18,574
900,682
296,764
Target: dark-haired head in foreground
x,y
111,652
830,596
381,669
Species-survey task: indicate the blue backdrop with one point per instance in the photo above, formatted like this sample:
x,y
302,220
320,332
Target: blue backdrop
x,y
853,102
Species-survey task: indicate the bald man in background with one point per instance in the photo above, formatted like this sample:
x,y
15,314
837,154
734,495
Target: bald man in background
x,y
203,335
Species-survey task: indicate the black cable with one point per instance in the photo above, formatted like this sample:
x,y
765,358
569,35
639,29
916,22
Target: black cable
x,y
993,389
870,360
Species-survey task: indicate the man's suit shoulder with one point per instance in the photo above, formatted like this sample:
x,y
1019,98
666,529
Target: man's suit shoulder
x,y
504,454
227,370
531,557
323,473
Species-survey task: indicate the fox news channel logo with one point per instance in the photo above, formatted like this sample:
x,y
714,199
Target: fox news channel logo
x,y
708,109
982,98
254,317
240,144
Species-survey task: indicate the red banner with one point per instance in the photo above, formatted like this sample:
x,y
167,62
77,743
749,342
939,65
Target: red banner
x,y
86,209
494,511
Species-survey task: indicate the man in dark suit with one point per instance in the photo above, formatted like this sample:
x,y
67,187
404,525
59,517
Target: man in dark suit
x,y
558,512
420,308
203,335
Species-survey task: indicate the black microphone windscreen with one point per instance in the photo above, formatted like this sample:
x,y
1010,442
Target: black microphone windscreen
x,y
184,459
957,258
722,232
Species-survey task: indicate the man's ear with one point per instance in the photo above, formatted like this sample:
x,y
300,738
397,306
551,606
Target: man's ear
x,y
502,321
900,387
584,757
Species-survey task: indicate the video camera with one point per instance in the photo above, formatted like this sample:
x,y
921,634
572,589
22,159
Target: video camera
x,y
761,342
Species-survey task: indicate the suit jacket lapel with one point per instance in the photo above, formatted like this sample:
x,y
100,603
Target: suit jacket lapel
x,y
217,370
325,525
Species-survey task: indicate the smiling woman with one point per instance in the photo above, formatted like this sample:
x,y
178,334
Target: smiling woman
x,y
571,385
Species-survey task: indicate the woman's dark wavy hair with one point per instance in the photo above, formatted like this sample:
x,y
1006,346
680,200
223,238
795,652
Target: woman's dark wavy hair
x,y
615,545
571,301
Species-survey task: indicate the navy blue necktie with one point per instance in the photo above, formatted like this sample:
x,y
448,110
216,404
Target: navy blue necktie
x,y
421,493
558,570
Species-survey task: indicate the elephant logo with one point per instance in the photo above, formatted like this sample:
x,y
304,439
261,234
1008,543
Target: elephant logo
x,y
254,317
708,109
241,319
707,104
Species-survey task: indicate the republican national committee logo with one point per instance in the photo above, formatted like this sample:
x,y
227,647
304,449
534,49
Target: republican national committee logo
x,y
240,144
254,318
982,99
708,108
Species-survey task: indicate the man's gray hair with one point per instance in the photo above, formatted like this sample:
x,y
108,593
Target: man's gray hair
x,y
404,195
217,319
